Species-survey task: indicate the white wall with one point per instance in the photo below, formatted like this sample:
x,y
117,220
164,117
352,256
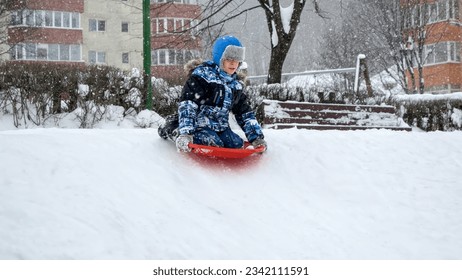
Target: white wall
x,y
113,41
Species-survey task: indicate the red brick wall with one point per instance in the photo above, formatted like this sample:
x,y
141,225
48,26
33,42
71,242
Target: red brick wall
x,y
161,41
175,10
172,73
45,35
441,74
450,73
443,32
447,73
57,5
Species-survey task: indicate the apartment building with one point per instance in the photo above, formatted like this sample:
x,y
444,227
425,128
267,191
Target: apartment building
x,y
107,32
442,67
46,31
173,40
113,33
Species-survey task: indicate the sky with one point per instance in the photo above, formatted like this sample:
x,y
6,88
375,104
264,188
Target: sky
x,y
120,192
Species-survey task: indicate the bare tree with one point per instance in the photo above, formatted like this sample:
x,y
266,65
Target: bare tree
x,y
282,25
4,22
393,33
418,32
6,9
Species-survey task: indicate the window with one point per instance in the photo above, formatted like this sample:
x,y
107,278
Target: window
x,y
97,25
58,19
75,20
30,19
172,57
53,52
95,57
189,54
451,8
154,60
178,25
42,52
125,57
454,51
162,57
175,1
180,57
124,26
64,52
442,5
17,52
40,18
442,52
16,18
48,18
432,12
440,10
101,25
67,20
46,52
161,23
31,51
170,25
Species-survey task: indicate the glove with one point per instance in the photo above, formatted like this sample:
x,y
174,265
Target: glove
x,y
182,143
259,142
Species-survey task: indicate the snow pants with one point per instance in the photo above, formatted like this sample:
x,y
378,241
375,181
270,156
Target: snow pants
x,y
226,138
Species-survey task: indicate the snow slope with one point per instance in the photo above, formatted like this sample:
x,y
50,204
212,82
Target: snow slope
x,y
127,194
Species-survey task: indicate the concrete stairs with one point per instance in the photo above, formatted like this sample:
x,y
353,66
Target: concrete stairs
x,y
326,116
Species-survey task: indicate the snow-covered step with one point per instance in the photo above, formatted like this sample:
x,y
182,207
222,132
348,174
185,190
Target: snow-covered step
x,y
331,127
294,105
304,115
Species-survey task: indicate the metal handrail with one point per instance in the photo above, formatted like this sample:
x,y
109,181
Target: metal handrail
x,y
327,71
305,73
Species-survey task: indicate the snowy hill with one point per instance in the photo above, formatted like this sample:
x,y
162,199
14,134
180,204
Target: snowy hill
x,y
127,194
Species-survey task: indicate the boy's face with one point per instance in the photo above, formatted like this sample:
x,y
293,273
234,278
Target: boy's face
x,y
230,66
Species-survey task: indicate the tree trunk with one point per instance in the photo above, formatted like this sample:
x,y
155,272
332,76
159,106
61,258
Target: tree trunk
x,y
278,56
281,38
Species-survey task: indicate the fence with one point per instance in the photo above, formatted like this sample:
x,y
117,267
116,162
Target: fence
x,y
360,65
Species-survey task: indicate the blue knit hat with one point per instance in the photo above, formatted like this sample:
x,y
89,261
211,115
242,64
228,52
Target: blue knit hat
x,y
227,47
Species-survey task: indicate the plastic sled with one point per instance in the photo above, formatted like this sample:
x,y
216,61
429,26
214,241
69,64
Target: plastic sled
x,y
219,152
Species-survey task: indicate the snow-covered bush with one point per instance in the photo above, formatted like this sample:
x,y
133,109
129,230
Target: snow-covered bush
x,y
456,118
33,93
165,98
430,112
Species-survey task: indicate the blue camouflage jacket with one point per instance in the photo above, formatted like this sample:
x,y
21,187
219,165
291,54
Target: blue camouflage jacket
x,y
208,97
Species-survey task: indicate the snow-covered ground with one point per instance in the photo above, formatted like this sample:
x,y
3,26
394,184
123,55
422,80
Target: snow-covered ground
x,y
124,193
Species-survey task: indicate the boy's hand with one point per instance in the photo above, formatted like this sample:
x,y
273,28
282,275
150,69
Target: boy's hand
x,y
182,143
259,142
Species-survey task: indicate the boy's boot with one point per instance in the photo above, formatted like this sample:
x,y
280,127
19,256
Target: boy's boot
x,y
169,130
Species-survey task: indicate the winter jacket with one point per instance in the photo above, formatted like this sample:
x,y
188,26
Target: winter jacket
x,y
208,97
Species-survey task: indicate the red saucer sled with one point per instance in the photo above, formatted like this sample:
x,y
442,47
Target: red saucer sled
x,y
219,152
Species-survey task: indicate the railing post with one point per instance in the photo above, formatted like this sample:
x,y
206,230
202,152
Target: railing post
x,y
361,63
357,72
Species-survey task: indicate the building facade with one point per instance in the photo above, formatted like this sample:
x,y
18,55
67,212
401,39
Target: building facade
x,y
442,64
174,40
112,33
106,32
46,31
